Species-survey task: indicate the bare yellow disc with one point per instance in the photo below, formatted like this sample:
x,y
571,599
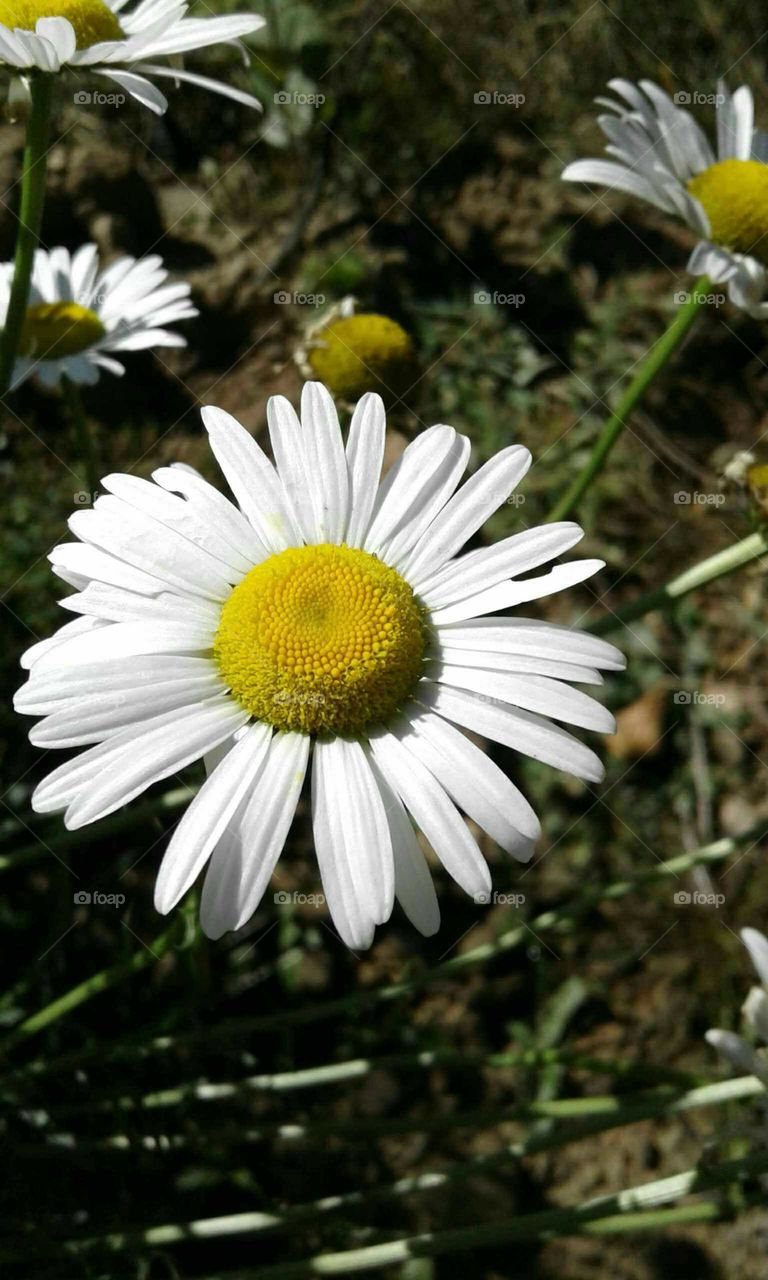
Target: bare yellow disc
x,y
322,639
734,194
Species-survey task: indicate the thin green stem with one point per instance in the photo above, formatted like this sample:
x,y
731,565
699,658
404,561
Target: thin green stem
x,y
716,566
630,1209
563,920
93,986
30,221
654,361
84,442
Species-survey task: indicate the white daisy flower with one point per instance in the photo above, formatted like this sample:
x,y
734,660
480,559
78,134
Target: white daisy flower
x,y
78,315
99,36
661,155
738,1051
327,615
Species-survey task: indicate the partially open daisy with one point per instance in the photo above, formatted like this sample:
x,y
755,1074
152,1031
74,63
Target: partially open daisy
x,y
328,615
98,35
743,1055
662,156
78,315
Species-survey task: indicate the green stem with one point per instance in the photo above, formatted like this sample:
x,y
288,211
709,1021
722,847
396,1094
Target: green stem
x,y
630,1209
93,986
30,220
654,361
84,443
716,566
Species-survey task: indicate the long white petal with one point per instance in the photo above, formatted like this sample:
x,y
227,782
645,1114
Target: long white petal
x,y
207,817
241,867
434,812
521,730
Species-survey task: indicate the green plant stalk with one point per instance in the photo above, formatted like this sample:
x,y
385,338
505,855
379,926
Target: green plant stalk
x,y
717,566
654,361
93,986
631,1209
84,442
560,921
30,220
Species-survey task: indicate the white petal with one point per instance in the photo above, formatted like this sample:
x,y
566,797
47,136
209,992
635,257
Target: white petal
x,y
757,946
46,692
414,889
91,562
350,912
241,868
36,653
97,717
539,639
87,769
478,570
207,817
139,88
483,493
203,82
253,480
173,513
134,537
113,604
432,810
533,693
400,492
520,730
436,490
326,463
475,783
519,664
365,453
211,506
288,448
157,754
128,640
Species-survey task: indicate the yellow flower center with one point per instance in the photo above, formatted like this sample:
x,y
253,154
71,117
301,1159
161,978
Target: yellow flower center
x,y
53,330
363,353
734,194
92,20
321,639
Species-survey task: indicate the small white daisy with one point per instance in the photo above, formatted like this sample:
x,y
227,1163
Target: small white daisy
x,y
738,1051
99,36
78,315
662,156
328,614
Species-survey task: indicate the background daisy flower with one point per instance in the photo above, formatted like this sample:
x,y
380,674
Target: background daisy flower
x,y
737,1050
661,155
99,36
78,315
328,623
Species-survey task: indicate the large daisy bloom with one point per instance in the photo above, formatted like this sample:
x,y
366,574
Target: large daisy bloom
x,y
661,155
738,1051
326,624
78,314
98,36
